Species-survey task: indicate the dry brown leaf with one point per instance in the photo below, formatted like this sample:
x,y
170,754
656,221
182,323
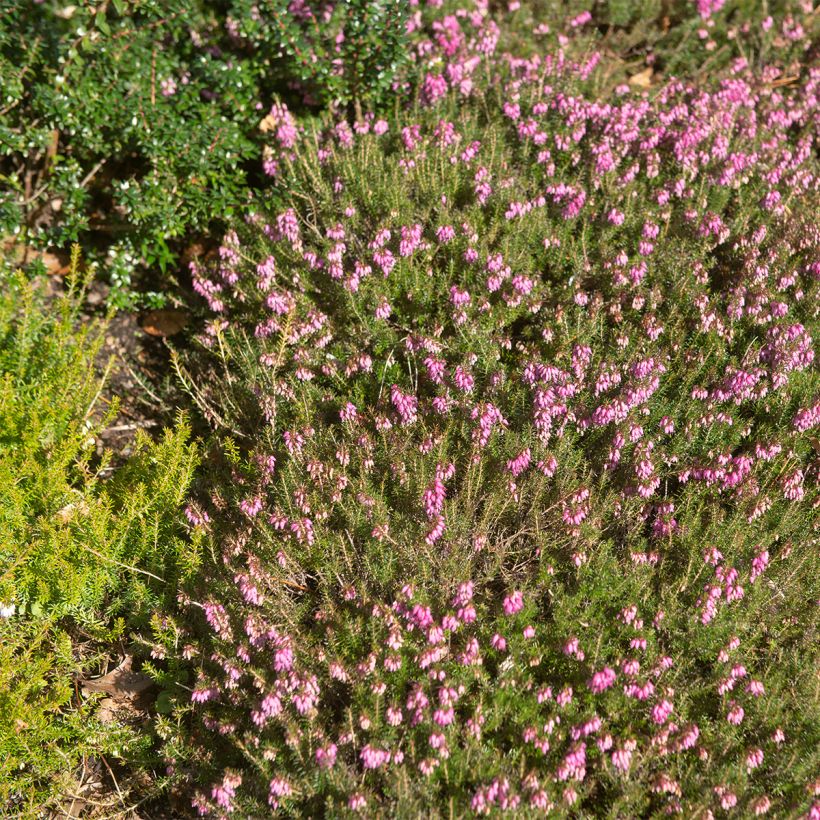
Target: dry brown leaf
x,y
788,80
106,710
267,124
122,683
643,79
71,509
164,322
56,263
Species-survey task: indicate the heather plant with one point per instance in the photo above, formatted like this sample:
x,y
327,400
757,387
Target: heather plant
x,y
137,127
515,508
85,557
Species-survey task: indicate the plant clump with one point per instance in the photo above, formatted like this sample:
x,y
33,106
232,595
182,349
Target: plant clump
x,y
516,503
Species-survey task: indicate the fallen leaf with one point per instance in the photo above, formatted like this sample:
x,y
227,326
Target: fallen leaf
x,y
643,79
267,124
106,710
56,263
121,684
193,251
71,509
788,80
75,808
164,322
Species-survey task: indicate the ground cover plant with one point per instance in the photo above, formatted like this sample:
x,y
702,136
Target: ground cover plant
x,y
84,560
504,320
516,506
135,126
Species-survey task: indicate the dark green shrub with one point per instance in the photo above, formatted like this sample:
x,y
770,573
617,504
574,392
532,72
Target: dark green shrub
x,y
139,120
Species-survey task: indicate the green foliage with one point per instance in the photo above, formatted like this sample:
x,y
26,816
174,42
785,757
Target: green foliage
x,y
83,558
140,119
646,502
342,53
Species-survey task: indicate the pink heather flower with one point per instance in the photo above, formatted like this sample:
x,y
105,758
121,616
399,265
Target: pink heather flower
x,y
754,758
374,758
520,463
728,799
383,309
279,787
464,594
762,805
807,418
631,668
572,647
223,793
459,297
326,756
436,369
434,497
446,233
587,728
437,531
465,614
428,766
601,681
471,655
513,603
793,486
410,239
196,517
348,413
622,758
356,802
283,659
463,380
444,717
168,87
405,404
667,425
735,714
433,88
218,619
689,737
498,643
251,506
661,711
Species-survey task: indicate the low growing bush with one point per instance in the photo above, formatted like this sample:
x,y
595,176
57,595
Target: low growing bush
x,y
138,126
84,561
140,120
516,508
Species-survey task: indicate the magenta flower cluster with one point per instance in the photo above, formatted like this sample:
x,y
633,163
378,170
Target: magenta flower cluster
x,y
528,513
